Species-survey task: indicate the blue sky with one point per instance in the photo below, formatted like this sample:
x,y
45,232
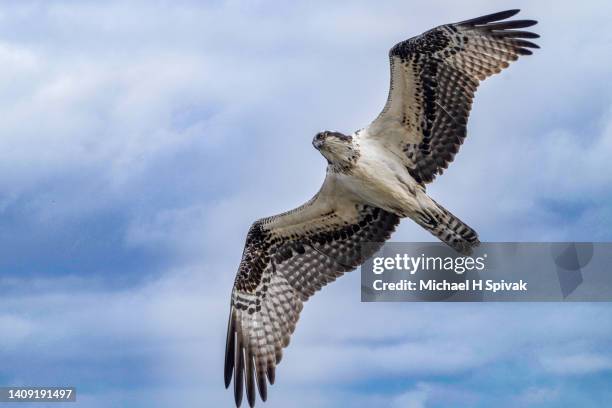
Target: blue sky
x,y
139,140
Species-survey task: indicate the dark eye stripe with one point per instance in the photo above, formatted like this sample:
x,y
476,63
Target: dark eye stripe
x,y
341,136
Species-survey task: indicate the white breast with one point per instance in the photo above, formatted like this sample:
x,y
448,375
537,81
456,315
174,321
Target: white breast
x,y
380,178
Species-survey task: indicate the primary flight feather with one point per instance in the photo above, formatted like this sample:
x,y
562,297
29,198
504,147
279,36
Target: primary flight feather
x,y
375,177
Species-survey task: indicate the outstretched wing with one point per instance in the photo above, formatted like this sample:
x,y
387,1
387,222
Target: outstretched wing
x,y
433,80
286,259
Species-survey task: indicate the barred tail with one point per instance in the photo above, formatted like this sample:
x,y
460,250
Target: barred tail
x,y
448,228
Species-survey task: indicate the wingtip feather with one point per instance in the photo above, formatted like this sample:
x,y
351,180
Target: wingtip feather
x,y
514,34
271,373
238,372
500,15
262,386
228,371
509,25
250,379
524,43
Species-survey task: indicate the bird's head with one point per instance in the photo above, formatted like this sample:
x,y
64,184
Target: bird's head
x,y
336,147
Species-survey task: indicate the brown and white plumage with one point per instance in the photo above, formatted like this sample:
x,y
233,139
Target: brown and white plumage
x,y
433,80
286,259
374,177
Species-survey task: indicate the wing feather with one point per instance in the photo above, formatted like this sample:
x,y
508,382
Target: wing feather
x,y
286,260
434,77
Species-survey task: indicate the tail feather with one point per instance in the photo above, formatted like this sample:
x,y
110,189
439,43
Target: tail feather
x,y
448,228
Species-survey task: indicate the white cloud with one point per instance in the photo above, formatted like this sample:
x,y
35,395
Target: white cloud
x,y
15,330
415,398
577,363
534,396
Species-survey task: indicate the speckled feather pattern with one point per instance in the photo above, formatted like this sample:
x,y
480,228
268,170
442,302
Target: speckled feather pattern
x,y
277,274
443,68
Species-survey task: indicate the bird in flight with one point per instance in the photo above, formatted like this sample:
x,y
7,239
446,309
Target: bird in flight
x,y
375,177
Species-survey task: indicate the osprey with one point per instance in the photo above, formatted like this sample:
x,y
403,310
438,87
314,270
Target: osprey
x,y
375,177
